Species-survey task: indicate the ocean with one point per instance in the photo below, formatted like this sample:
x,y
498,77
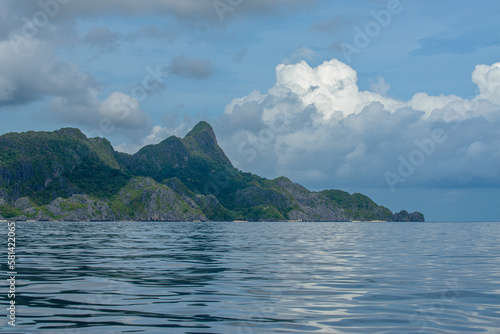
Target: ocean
x,y
136,277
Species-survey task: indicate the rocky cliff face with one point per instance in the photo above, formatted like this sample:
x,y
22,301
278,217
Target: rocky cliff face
x,y
63,175
74,208
307,205
80,208
143,199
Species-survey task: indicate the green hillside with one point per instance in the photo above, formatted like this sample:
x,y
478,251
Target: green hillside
x,y
65,175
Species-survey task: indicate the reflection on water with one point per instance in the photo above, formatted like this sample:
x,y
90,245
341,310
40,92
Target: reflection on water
x,y
256,278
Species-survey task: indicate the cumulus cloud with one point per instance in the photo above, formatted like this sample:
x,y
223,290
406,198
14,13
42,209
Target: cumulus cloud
x,y
380,86
487,78
191,67
118,110
331,88
316,126
37,74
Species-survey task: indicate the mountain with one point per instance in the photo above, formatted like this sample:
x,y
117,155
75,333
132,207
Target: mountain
x,y
63,175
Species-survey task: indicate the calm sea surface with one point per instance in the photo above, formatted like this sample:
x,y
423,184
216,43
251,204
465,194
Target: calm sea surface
x,y
255,278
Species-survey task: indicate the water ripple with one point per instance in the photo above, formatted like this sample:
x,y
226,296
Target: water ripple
x,y
257,278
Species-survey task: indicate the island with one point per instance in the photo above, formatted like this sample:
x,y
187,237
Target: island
x,y
65,176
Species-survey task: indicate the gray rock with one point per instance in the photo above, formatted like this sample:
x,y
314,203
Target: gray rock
x,y
309,206
149,200
80,208
41,216
24,204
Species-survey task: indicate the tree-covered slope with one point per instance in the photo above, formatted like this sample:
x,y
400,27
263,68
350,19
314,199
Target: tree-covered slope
x,y
65,175
47,165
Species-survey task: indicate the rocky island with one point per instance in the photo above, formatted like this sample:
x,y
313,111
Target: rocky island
x,y
65,176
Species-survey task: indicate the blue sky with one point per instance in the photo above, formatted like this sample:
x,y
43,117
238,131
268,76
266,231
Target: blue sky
x,y
399,100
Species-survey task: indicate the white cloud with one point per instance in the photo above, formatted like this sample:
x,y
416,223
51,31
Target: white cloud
x,y
331,88
156,135
176,125
37,74
32,74
487,78
118,110
315,126
380,86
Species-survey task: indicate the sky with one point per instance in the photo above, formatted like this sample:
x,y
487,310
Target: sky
x,y
396,99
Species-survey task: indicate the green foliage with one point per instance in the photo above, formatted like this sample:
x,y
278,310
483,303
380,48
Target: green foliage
x,y
104,151
9,157
95,178
131,199
358,206
47,213
47,165
71,206
353,202
263,213
201,127
8,211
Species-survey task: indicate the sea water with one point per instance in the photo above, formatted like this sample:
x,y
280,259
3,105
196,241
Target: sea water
x,y
138,277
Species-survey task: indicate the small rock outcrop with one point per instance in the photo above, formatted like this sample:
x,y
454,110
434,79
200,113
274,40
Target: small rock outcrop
x,y
80,208
143,199
404,216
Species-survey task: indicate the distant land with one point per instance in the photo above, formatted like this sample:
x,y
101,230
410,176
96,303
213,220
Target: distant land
x,y
65,176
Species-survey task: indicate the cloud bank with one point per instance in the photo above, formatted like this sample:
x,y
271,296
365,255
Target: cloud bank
x,y
190,11
316,126
74,95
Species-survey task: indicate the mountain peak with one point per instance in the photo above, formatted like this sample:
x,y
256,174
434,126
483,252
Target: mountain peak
x,y
72,132
201,139
200,128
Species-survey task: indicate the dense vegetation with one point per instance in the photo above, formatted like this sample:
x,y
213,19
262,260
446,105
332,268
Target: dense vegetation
x,y
180,177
